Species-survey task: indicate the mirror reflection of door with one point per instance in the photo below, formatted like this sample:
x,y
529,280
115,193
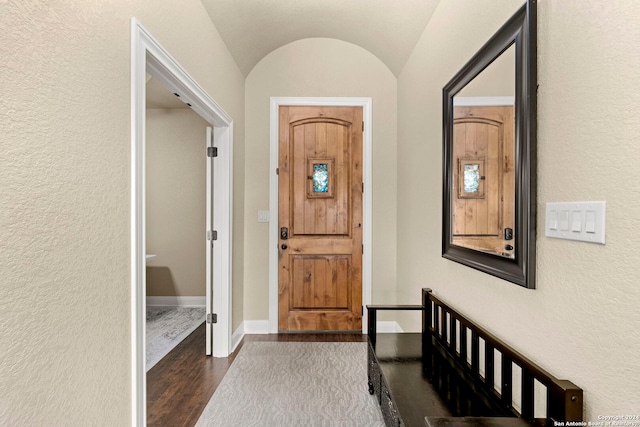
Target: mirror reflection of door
x,y
484,184
483,193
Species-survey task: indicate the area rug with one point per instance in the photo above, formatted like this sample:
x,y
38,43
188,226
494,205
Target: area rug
x,y
295,384
167,327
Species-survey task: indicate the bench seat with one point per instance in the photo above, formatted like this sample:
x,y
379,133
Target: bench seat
x,y
398,357
408,389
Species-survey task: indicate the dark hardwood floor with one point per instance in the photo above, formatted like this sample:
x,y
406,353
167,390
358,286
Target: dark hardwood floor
x,y
181,384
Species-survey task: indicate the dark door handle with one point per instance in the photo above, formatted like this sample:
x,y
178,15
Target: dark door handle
x,y
283,246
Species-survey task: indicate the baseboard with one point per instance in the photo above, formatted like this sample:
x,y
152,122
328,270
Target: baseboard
x,y
262,327
388,327
256,326
248,327
177,301
237,336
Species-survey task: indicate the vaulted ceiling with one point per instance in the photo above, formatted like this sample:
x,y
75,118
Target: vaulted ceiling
x,y
252,29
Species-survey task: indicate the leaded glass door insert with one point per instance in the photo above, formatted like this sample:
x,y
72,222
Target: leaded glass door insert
x,y
320,178
471,178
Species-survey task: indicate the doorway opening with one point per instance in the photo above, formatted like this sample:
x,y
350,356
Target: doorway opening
x,y
175,213
149,57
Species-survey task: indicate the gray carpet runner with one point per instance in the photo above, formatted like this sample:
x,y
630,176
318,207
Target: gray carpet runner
x,y
295,384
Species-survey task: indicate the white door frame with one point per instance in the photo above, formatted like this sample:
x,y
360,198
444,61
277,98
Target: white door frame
x,y
148,56
274,235
209,249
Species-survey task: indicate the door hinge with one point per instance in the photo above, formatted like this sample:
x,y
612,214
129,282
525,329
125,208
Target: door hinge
x,y
212,235
362,310
277,171
212,318
363,249
363,187
363,126
212,151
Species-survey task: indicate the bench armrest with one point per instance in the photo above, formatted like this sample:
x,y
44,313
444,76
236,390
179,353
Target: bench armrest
x,y
372,313
394,307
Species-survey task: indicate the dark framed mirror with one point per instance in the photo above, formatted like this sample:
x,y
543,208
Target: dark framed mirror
x,y
489,155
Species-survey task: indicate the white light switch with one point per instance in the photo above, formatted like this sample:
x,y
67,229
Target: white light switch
x,y
563,217
590,223
583,221
552,220
576,221
263,216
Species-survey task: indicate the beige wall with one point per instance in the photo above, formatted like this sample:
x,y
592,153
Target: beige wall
x,y
582,321
65,196
317,68
498,79
176,202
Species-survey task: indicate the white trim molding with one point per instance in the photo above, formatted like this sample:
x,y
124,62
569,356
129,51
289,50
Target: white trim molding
x,y
261,327
483,101
237,336
366,104
258,327
148,56
388,327
176,301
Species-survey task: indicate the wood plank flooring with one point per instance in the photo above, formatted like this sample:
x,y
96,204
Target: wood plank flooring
x,y
181,384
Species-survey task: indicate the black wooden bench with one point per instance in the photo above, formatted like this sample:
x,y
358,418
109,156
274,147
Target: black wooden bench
x,y
456,374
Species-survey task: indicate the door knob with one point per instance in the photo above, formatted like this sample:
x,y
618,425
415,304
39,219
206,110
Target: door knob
x,y
283,246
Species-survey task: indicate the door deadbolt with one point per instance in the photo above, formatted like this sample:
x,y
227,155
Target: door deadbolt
x,y
284,233
508,233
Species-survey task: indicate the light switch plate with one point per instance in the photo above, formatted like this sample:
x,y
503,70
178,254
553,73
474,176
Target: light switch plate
x,y
263,216
583,221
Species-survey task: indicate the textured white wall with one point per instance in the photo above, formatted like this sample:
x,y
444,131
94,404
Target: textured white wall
x,y
64,196
319,67
582,321
176,171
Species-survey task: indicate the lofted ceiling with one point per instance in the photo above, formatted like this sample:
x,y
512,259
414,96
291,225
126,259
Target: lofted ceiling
x,y
252,29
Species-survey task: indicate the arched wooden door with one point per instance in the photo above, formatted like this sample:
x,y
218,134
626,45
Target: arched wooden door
x,y
320,219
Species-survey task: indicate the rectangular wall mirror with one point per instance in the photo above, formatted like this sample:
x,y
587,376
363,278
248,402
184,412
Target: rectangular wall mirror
x,y
489,155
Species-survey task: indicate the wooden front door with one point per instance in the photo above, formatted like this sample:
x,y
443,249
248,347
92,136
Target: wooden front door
x,y
484,195
320,219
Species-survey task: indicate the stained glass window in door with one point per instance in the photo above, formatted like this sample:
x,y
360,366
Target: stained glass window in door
x,y
471,178
320,177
